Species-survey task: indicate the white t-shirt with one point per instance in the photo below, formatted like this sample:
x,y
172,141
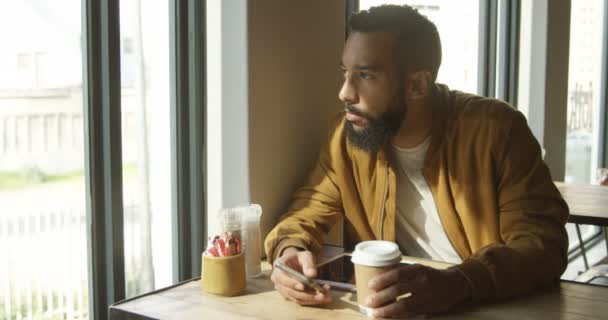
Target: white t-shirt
x,y
418,228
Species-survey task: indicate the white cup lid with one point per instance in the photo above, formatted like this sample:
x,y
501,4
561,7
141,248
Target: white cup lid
x,y
376,253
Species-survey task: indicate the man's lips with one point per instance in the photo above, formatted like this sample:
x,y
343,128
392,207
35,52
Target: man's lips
x,y
355,118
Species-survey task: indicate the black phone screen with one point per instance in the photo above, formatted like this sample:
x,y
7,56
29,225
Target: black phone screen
x,y
338,269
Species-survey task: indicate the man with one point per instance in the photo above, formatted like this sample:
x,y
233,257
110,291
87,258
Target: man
x,y
446,175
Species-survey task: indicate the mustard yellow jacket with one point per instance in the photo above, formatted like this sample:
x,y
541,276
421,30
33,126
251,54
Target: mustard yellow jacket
x,y
496,199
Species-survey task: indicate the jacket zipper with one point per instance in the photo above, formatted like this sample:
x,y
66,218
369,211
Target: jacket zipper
x,y
384,203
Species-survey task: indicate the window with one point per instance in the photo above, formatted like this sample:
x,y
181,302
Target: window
x,y
42,195
146,144
458,26
42,74
100,152
24,62
25,70
583,138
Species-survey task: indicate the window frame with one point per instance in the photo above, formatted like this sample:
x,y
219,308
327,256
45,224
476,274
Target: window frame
x,y
486,70
508,46
350,7
499,36
188,135
103,155
103,146
603,150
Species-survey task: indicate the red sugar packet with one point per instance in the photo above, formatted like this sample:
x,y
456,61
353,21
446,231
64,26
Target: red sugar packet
x,y
224,245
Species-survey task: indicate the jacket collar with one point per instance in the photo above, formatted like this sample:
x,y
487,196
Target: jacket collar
x,y
442,106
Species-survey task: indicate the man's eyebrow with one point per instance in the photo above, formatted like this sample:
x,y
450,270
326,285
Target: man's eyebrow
x,y
370,67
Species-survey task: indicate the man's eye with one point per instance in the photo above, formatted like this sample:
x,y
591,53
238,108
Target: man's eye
x,y
365,75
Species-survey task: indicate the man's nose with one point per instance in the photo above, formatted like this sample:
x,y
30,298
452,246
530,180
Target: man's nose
x,y
348,92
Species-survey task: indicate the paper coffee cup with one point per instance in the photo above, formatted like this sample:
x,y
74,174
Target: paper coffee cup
x,y
372,258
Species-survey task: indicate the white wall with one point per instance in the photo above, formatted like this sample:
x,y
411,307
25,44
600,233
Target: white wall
x,y
227,107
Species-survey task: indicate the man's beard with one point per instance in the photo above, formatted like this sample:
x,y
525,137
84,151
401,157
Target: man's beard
x,y
378,131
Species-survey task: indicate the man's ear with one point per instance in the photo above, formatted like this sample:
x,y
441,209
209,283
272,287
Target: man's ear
x,y
419,84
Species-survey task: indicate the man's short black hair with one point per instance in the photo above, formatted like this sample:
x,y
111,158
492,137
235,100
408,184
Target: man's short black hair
x,y
418,40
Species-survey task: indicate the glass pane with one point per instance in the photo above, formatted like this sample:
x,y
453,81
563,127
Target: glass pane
x,y
584,114
43,245
583,132
458,26
146,148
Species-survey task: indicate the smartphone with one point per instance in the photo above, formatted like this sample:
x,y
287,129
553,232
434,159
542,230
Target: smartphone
x,y
339,273
307,281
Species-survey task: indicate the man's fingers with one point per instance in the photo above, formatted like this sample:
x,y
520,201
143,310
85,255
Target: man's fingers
x,y
303,261
413,297
399,274
304,297
388,295
308,264
384,280
280,277
293,289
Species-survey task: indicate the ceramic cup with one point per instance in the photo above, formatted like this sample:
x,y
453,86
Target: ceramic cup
x,y
224,275
372,258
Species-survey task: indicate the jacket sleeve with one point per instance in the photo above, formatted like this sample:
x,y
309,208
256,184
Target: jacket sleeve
x,y
532,222
314,210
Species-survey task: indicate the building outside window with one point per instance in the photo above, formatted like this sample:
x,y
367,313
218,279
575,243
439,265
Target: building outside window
x,y
43,238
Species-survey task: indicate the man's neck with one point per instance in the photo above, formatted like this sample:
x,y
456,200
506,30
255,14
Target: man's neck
x,y
416,126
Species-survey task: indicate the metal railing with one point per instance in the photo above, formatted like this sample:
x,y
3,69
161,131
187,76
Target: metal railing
x,y
43,264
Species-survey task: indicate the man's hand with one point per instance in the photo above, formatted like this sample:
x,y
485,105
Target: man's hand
x,y
431,290
293,289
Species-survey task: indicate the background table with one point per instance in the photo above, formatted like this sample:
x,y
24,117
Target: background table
x,y
588,203
566,300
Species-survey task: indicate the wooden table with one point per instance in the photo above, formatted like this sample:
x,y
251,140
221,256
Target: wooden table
x,y
588,203
566,300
